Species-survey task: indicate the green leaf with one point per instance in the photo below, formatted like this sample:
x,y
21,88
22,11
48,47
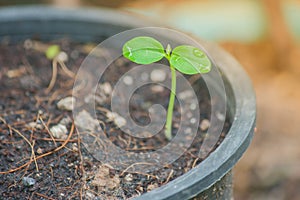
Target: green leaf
x,y
190,60
52,51
143,50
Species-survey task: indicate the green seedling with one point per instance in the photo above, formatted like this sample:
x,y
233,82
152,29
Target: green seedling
x,y
52,51
184,58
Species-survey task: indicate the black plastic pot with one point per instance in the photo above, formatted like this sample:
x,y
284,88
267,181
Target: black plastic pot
x,y
212,178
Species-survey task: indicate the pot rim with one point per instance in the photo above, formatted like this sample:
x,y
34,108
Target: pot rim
x,y
221,160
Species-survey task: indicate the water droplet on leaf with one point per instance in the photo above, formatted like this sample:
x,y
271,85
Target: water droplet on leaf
x,y
198,53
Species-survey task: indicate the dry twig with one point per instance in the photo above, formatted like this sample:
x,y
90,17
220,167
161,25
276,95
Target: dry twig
x,y
43,155
53,79
65,69
48,131
33,157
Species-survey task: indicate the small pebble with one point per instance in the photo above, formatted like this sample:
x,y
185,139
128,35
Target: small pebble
x,y
65,121
193,120
185,94
205,124
27,181
157,88
66,103
193,106
70,165
15,73
220,116
103,180
128,80
102,94
151,187
111,115
176,125
28,44
128,178
158,75
75,147
140,188
85,121
19,147
59,131
188,130
89,195
35,125
106,88
39,150
120,121
116,118
62,56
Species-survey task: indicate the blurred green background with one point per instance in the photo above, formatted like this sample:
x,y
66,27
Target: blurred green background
x,y
242,20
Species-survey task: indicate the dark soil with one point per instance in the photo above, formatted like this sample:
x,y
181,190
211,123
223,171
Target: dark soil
x,y
28,111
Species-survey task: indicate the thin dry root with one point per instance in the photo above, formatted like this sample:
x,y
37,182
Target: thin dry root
x,y
54,75
55,71
41,156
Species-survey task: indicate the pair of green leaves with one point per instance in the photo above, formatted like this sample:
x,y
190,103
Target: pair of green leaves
x,y
186,59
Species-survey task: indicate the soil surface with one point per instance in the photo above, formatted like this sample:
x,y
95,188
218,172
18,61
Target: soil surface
x,y
41,153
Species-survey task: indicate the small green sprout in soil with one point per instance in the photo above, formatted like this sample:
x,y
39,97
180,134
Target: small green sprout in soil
x,y
52,51
57,56
184,58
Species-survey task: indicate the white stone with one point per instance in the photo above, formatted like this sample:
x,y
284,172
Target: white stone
x,y
120,121
128,80
186,94
193,106
205,124
193,120
59,131
157,88
111,115
220,116
116,118
66,103
128,177
85,121
158,75
62,56
106,87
